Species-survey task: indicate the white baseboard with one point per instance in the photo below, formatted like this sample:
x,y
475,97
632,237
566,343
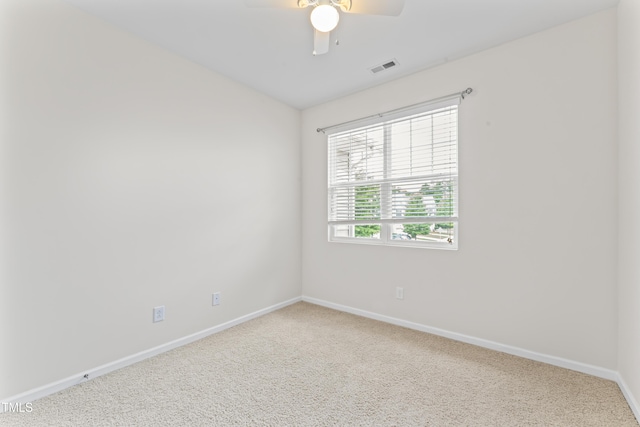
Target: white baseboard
x,y
527,354
631,400
57,386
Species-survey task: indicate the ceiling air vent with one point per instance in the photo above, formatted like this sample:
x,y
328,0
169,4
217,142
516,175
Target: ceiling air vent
x,y
385,66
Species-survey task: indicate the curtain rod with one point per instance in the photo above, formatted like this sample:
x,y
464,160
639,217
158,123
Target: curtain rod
x,y
462,94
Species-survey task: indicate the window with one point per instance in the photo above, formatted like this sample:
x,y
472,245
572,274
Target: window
x,y
395,182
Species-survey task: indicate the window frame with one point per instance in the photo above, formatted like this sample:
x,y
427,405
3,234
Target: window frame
x,y
386,226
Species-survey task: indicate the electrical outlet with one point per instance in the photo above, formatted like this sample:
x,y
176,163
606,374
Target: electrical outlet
x,y
399,293
216,298
158,314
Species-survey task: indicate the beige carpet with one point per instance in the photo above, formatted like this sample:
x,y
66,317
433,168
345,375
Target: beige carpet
x,y
306,365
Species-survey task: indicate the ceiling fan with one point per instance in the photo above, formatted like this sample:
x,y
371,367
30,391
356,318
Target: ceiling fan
x,y
326,13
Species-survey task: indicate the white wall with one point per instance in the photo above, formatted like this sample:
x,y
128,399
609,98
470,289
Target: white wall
x,y
536,268
629,187
132,178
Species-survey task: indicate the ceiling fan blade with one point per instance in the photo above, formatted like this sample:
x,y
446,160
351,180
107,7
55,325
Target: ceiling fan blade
x,y
321,42
280,4
377,7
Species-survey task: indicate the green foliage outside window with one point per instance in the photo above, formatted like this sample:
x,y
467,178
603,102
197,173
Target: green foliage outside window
x,y
416,207
442,196
441,193
367,206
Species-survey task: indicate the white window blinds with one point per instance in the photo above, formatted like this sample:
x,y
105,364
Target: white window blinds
x,y
398,171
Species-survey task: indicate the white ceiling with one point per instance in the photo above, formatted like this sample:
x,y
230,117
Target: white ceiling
x,y
270,49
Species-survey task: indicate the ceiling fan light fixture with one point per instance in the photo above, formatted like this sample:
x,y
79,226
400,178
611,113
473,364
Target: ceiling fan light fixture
x,y
306,3
343,5
324,18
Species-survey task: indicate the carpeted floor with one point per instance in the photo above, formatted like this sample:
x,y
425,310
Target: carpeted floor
x,y
306,365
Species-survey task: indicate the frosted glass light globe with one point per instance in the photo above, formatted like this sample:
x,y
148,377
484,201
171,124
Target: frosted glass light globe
x,y
324,18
